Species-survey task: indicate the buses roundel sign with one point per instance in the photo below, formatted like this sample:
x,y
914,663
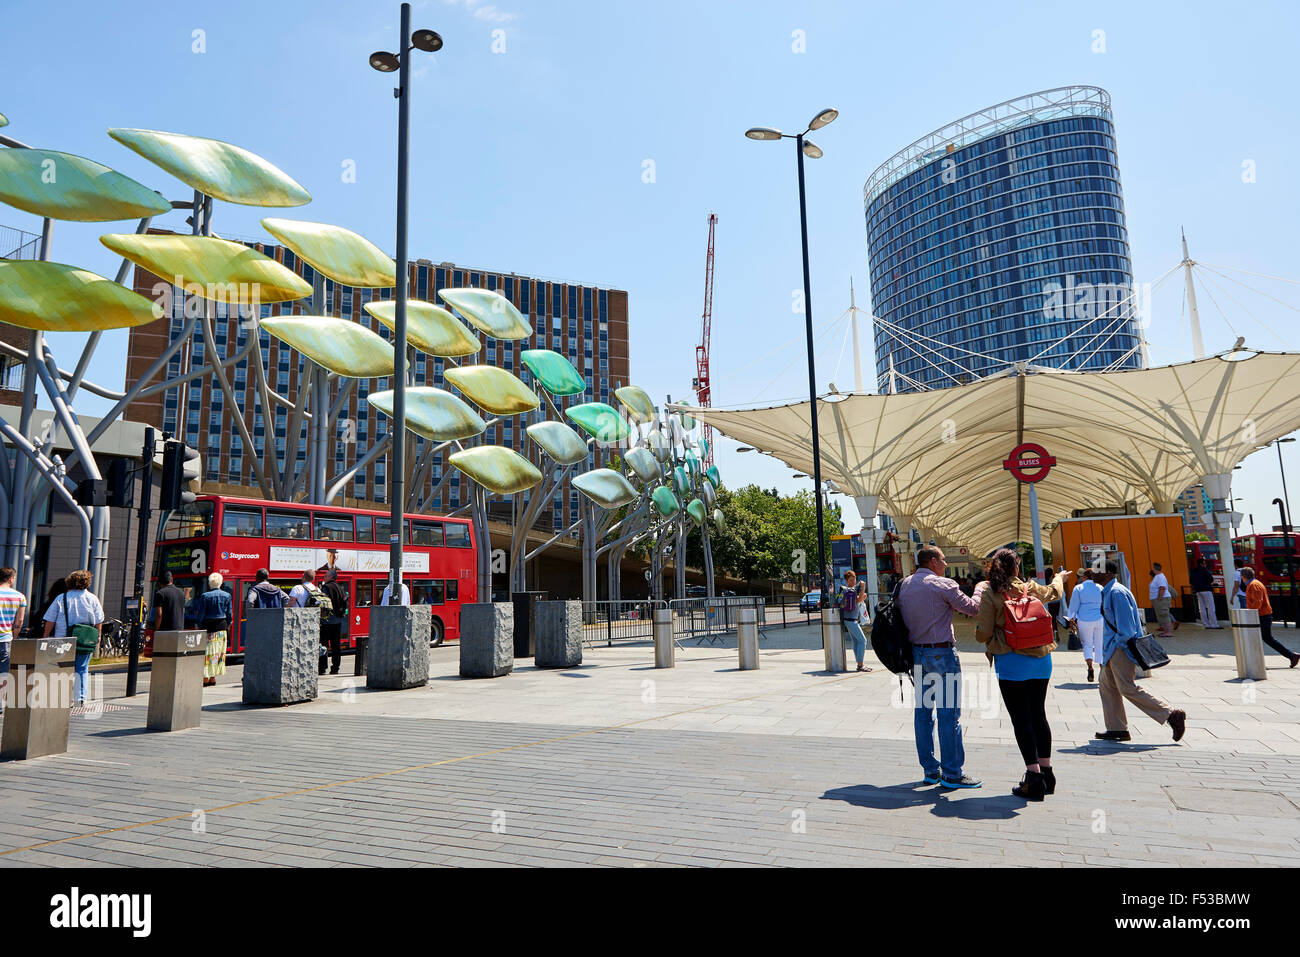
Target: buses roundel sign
x,y
1029,462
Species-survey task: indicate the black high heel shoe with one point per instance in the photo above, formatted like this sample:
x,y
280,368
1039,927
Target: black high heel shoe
x,y
1030,787
1049,780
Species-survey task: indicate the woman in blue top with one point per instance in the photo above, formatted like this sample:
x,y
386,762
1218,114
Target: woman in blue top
x,y
215,609
1022,674
1084,616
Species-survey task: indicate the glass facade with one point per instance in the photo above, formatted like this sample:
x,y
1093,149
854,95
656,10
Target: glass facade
x,y
1004,245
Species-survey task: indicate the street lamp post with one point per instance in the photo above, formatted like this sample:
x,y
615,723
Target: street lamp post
x,y
805,147
1286,538
384,62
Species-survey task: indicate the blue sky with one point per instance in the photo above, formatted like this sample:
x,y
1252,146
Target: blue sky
x,y
534,158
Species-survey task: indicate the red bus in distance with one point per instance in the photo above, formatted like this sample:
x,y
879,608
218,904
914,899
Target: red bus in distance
x,y
237,536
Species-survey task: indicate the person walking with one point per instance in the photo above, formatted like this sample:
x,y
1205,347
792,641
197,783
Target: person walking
x,y
927,600
334,627
1257,598
1161,600
77,614
1203,585
853,612
1084,616
168,606
13,607
1019,639
215,611
1122,620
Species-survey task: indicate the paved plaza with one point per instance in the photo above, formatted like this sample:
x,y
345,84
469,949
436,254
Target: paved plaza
x,y
616,763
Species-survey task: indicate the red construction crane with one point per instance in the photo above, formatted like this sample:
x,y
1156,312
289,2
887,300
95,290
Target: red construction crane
x,y
702,391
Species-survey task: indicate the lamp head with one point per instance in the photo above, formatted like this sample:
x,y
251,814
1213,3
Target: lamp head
x,y
824,118
763,133
426,40
385,62
811,150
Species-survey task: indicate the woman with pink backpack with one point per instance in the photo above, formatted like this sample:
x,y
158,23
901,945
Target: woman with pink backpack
x,y
1019,637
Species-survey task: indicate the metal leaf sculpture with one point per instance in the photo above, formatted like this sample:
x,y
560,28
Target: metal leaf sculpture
x,y
600,421
489,312
431,329
643,463
340,345
556,373
215,168
68,187
497,469
224,271
719,520
660,446
558,441
697,511
606,488
433,413
493,389
640,407
52,297
665,501
342,255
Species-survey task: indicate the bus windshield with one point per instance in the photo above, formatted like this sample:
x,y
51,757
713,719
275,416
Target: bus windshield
x,y
189,521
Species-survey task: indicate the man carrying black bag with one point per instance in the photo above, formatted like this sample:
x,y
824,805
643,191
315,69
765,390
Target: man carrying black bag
x,y
333,628
1122,624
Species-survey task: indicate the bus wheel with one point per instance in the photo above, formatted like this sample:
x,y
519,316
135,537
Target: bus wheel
x,y
435,633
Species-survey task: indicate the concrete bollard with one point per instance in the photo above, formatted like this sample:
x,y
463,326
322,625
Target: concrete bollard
x,y
833,641
556,631
281,655
176,680
1246,640
747,639
40,692
665,647
397,655
487,639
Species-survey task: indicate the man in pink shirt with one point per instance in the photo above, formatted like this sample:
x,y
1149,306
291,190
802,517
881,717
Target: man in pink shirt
x,y
927,600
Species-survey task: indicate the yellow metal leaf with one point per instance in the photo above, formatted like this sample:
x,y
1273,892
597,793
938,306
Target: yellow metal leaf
x,y
340,345
640,407
219,269
215,168
490,312
431,329
52,297
493,389
433,413
338,253
4,120
497,469
64,186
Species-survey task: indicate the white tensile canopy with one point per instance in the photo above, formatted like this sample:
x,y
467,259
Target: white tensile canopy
x,y
933,460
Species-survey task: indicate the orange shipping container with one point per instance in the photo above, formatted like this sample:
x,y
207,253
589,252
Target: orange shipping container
x,y
1143,540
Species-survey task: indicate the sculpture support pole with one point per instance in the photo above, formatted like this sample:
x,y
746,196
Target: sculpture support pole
x,y
397,457
708,557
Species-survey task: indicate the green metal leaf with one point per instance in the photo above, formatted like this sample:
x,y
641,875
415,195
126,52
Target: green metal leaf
x,y
433,413
710,496
52,297
556,373
4,120
665,501
719,520
338,253
643,463
605,487
493,389
216,268
558,441
489,312
681,480
712,474
497,469
344,347
697,511
600,421
216,168
431,329
688,421
640,407
68,187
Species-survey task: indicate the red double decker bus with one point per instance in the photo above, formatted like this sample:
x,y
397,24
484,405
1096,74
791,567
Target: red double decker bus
x,y
237,536
1267,554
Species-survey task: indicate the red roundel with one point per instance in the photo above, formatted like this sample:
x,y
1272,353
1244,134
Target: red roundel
x,y
1029,462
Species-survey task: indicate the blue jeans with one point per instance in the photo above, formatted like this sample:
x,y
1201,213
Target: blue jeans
x,y
80,677
4,671
937,677
859,639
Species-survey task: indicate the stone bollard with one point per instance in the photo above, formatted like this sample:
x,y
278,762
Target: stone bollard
x,y
525,610
176,680
665,647
39,708
281,655
833,641
487,640
1246,640
557,634
747,638
397,655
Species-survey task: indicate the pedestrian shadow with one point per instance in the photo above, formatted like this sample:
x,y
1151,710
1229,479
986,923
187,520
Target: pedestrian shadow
x,y
1075,686
1107,748
915,794
122,732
